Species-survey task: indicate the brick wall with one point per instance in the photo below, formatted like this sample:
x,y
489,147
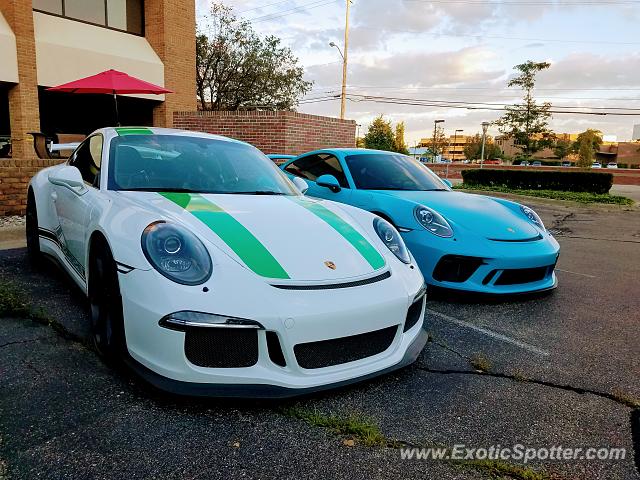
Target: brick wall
x,y
14,178
23,97
273,132
170,28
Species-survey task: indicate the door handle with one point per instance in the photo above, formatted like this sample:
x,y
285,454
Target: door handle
x,y
54,196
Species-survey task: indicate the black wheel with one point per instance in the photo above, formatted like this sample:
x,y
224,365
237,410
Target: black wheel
x,y
32,234
107,321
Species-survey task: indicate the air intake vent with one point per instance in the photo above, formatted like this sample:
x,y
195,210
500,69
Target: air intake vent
x,y
221,347
346,349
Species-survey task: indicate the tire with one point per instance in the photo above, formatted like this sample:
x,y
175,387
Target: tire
x,y
107,319
33,237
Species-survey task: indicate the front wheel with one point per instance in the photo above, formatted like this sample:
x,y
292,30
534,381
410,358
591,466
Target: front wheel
x,y
107,320
32,233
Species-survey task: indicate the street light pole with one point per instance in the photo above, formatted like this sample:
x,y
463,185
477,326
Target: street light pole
x,y
485,126
434,150
343,98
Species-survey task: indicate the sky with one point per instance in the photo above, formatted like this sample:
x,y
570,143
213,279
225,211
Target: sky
x,y
462,50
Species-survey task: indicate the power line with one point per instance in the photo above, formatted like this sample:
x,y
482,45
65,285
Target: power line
x,y
473,105
263,6
291,11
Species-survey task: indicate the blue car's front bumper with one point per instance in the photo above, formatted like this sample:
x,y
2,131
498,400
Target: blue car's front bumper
x,y
485,266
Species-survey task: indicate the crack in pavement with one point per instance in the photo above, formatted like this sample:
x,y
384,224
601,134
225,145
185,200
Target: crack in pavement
x,y
634,418
18,342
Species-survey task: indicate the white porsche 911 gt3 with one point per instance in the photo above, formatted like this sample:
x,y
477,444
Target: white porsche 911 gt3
x,y
209,273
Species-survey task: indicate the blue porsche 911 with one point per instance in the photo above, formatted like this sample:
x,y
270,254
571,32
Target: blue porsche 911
x,y
460,241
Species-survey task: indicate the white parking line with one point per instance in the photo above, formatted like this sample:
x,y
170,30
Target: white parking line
x,y
489,333
575,273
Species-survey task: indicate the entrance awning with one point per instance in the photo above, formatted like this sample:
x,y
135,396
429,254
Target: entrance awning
x,y
8,55
67,50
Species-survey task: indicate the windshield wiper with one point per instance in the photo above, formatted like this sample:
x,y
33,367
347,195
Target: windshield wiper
x,y
163,189
258,192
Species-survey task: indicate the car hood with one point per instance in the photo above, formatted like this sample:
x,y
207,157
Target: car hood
x,y
277,237
478,213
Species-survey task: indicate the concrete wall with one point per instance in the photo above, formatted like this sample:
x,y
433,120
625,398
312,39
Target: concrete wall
x,y
273,132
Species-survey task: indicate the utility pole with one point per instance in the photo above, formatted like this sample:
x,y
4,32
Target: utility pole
x,y
343,98
485,126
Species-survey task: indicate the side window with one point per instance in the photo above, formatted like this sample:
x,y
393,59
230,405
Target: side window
x,y
313,166
88,158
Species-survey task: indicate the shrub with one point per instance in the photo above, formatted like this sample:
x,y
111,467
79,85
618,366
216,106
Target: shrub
x,y
593,182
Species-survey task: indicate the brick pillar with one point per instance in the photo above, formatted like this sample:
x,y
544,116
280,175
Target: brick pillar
x,y
24,111
170,27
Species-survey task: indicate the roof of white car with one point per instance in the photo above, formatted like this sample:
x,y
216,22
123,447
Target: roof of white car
x,y
121,131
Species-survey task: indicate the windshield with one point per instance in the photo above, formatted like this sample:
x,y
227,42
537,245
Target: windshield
x,y
389,171
183,163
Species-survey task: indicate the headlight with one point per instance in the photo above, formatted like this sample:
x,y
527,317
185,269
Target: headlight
x,y
392,239
176,253
433,221
532,216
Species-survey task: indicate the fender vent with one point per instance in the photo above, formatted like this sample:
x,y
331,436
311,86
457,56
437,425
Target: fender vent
x,y
413,315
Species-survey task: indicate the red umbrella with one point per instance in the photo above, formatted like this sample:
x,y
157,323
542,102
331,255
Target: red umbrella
x,y
112,82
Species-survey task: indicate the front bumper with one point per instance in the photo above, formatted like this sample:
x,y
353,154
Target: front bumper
x,y
267,391
296,317
496,267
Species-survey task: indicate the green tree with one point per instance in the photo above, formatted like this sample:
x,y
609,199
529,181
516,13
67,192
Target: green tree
x,y
528,122
380,135
473,148
562,148
399,144
587,144
237,69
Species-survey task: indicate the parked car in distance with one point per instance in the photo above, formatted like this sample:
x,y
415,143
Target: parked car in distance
x,y
524,163
566,164
209,273
612,165
596,165
537,164
460,241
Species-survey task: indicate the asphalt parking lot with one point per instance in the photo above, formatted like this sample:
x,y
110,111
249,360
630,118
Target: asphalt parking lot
x,y
561,369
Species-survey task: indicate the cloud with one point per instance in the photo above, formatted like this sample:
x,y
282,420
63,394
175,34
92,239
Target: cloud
x,y
587,70
414,69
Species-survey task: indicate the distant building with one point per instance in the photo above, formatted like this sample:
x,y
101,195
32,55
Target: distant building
x,y
454,148
636,133
624,153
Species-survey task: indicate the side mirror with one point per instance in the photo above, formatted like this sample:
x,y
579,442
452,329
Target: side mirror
x,y
301,184
447,182
330,182
70,178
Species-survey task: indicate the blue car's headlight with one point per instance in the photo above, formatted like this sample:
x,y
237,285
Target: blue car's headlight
x,y
176,253
532,216
392,239
433,221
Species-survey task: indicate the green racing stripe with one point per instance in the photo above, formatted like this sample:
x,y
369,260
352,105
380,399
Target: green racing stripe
x,y
350,234
244,244
133,131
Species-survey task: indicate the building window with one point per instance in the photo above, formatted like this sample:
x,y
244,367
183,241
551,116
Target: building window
x,y
124,15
